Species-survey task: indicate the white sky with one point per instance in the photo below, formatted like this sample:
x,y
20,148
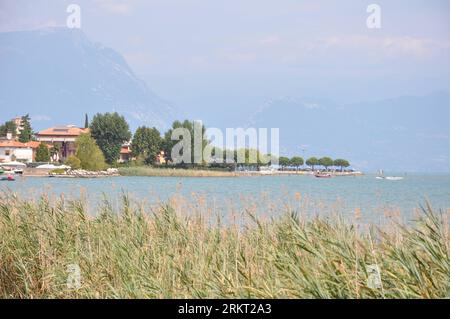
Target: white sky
x,y
238,53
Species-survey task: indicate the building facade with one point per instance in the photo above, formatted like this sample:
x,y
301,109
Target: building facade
x,y
125,153
62,138
11,150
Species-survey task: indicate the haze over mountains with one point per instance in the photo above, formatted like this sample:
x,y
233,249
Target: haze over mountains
x,y
400,134
56,75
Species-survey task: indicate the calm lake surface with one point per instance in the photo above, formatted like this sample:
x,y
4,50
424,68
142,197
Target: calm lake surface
x,y
366,196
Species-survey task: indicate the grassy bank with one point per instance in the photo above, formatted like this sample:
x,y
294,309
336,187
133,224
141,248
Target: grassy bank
x,y
167,253
171,172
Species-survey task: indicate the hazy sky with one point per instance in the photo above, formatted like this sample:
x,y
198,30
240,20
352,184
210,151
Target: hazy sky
x,y
240,53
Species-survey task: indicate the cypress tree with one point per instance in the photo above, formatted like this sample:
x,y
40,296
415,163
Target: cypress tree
x,y
25,134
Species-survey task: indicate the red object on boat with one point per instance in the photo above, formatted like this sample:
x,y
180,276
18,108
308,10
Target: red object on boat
x,y
10,178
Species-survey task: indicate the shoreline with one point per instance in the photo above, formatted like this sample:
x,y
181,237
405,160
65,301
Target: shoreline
x,y
304,173
168,172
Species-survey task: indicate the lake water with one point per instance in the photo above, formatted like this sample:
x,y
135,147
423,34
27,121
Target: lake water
x,y
366,196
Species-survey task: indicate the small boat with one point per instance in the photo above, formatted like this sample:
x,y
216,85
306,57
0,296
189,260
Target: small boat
x,y
9,178
389,178
10,169
393,178
322,175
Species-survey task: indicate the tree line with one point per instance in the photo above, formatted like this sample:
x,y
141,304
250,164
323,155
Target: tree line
x,y
108,131
312,162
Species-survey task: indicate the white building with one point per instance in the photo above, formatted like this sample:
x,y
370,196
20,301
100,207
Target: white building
x,y
15,151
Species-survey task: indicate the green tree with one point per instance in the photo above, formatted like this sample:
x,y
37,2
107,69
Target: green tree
x,y
296,161
42,153
27,132
341,163
8,127
86,121
283,162
147,142
312,161
168,143
74,162
90,155
215,154
229,156
326,162
110,131
273,159
251,157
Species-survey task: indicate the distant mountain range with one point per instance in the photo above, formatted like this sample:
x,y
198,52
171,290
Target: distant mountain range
x,y
58,74
402,134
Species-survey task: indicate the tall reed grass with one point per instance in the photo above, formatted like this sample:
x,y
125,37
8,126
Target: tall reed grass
x,y
165,253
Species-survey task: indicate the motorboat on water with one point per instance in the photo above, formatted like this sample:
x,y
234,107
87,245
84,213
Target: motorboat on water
x,y
10,171
13,167
389,178
322,175
393,178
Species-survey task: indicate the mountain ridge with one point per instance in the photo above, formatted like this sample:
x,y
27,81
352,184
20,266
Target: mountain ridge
x,y
59,74
406,133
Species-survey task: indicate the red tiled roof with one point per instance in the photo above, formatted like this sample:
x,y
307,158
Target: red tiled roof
x,y
17,144
33,144
14,144
125,150
63,131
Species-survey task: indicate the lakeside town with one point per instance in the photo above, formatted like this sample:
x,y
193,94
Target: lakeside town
x,y
204,157
106,147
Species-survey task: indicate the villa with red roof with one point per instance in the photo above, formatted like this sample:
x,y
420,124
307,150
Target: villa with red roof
x,y
61,137
125,153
